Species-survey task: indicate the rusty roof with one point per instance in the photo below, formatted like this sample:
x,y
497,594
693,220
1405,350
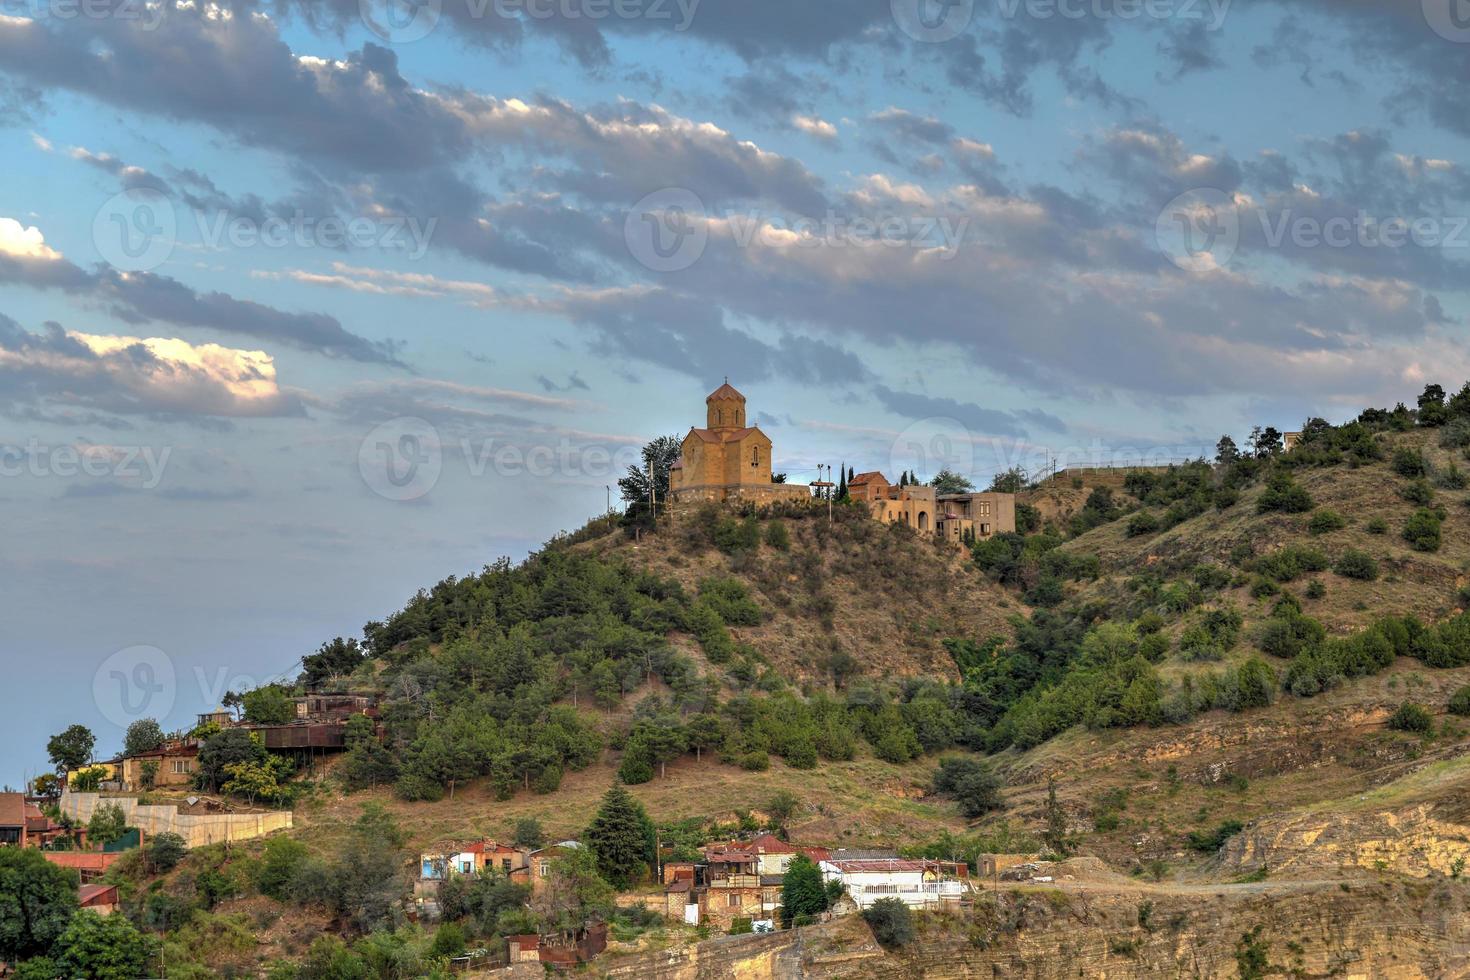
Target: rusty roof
x,y
12,810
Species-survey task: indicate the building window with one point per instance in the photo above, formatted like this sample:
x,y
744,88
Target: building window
x,y
544,869
732,900
755,456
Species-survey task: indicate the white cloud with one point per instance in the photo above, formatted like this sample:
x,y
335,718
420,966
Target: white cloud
x,y
24,243
815,126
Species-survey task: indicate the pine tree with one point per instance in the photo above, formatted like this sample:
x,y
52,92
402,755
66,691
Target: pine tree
x,y
621,835
802,893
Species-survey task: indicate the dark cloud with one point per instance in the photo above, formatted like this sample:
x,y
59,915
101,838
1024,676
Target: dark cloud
x,y
980,421
143,297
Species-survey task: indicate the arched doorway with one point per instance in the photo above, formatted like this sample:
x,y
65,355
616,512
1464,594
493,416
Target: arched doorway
x,y
923,520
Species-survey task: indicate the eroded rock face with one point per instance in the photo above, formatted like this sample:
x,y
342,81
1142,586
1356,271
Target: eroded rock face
x,y
1388,929
1411,840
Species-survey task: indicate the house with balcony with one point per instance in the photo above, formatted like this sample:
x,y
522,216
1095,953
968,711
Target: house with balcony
x,y
918,883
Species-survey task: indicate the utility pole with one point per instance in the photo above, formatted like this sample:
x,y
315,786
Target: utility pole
x,y
608,488
825,487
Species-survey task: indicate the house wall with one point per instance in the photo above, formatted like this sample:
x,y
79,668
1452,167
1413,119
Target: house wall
x,y
724,905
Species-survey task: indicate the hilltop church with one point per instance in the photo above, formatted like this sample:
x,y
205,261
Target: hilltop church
x,y
728,460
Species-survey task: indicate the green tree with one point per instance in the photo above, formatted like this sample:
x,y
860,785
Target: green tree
x,y
949,482
280,864
224,749
335,658
802,892
37,902
165,850
107,824
71,749
971,783
704,731
148,773
658,457
1013,480
143,735
103,947
892,922
782,807
529,834
268,705
1226,453
621,837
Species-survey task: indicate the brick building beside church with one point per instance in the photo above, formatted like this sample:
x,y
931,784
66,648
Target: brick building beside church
x,y
728,460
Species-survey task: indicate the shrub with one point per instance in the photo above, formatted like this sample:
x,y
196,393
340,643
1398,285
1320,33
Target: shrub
x,y
1422,530
1417,492
1324,521
1210,841
1411,717
1142,523
892,922
971,783
1284,494
1315,589
1409,462
1356,564
1460,702
1285,564
1286,635
1376,526
777,536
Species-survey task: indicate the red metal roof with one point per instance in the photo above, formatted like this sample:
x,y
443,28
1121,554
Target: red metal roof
x,y
97,894
881,865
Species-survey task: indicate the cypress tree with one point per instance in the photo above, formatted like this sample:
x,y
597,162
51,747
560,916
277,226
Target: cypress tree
x,y
621,836
802,893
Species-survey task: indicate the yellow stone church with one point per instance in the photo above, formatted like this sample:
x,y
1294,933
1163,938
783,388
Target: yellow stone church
x,y
728,460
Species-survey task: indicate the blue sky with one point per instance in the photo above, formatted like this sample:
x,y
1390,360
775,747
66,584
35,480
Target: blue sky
x,y
252,254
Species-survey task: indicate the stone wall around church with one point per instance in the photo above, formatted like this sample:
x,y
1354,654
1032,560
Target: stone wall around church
x,y
758,493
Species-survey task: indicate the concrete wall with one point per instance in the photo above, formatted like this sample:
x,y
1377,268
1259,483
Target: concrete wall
x,y
197,829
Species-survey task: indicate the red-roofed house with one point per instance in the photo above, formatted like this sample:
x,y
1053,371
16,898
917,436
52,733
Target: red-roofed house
x,y
14,825
101,899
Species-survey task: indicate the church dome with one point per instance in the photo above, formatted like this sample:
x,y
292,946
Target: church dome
x,y
725,393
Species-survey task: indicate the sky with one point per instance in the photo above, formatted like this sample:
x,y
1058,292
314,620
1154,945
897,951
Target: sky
x,y
307,305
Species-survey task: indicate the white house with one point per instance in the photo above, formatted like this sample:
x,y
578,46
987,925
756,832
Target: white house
x,y
918,883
